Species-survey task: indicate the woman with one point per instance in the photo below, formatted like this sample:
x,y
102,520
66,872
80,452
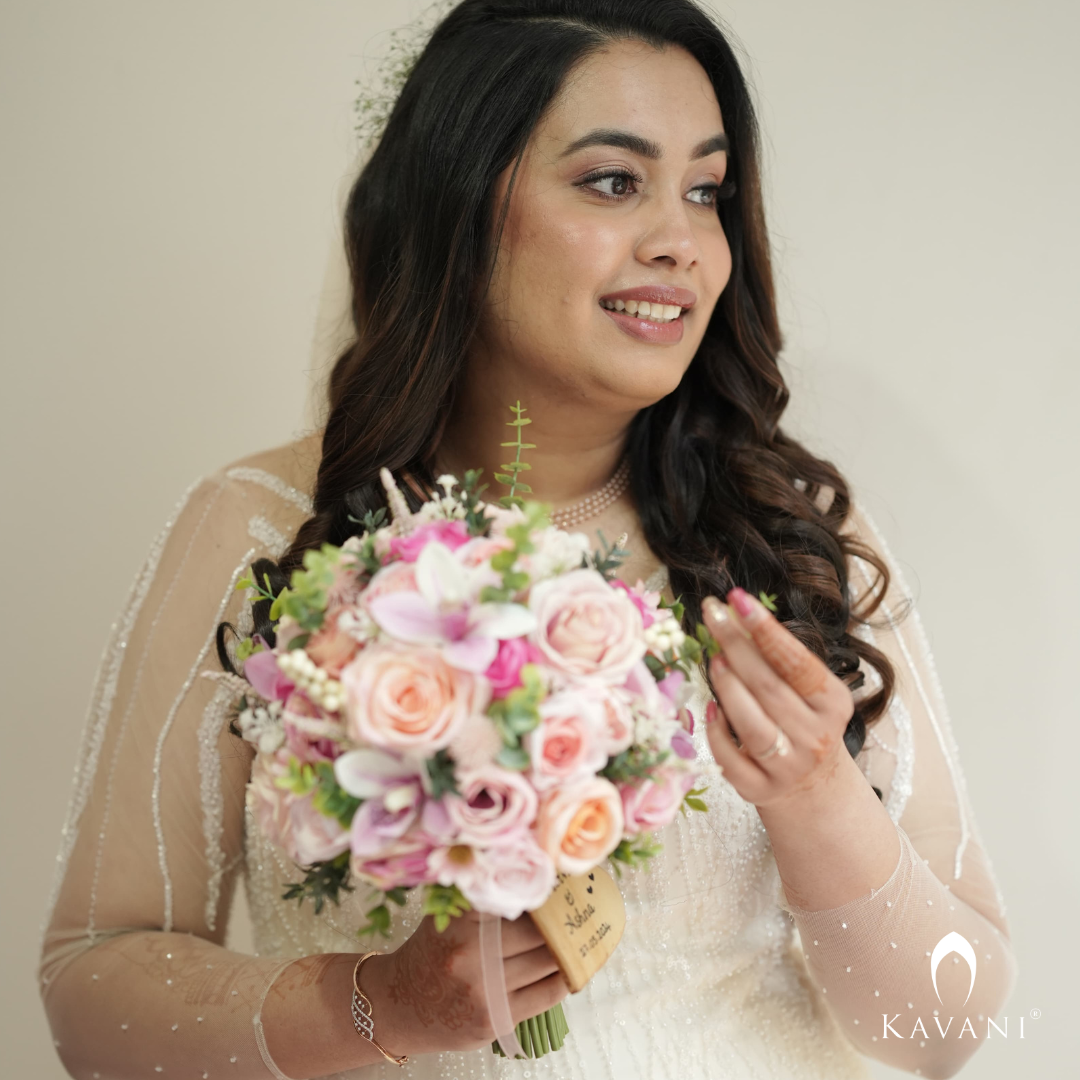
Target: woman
x,y
550,168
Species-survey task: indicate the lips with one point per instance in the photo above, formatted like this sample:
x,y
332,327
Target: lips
x,y
667,330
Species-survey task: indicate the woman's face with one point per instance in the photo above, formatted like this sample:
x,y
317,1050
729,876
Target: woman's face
x,y
614,205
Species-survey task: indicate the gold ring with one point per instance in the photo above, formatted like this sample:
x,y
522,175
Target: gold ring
x,y
780,747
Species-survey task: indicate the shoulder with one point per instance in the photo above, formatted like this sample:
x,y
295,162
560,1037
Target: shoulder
x,y
287,471
258,500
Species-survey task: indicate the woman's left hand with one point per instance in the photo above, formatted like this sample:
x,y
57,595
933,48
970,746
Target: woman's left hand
x,y
783,705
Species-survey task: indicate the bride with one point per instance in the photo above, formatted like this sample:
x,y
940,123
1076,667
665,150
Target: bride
x,y
565,208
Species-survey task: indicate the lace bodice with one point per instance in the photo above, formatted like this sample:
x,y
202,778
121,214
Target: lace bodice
x,y
717,974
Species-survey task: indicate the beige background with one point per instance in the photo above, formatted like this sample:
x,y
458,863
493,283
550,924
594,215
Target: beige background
x,y
168,197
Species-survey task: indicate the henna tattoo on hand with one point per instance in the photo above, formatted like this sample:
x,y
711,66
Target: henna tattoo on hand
x,y
423,982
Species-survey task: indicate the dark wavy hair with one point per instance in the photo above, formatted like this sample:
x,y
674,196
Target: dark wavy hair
x,y
725,497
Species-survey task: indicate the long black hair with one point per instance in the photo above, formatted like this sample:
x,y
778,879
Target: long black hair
x,y
725,497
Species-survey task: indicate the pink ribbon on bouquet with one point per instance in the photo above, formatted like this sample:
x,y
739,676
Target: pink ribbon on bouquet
x,y
491,969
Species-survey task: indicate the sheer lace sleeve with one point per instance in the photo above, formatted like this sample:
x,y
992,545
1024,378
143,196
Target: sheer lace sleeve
x,y
876,959
133,974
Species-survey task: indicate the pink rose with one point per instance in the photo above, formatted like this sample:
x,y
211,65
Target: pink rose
x,y
586,627
510,878
287,820
494,804
581,824
653,803
504,674
617,721
451,534
408,698
315,837
404,866
269,803
480,550
569,742
392,578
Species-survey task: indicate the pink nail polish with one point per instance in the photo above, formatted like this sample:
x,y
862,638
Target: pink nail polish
x,y
741,602
710,712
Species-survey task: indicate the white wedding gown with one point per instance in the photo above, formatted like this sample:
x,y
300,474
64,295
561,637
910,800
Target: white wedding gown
x,y
717,975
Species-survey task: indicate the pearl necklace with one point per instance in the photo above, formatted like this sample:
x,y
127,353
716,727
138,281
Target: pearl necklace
x,y
596,503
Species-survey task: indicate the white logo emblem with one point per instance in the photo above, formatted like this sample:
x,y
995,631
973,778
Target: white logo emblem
x,y
952,943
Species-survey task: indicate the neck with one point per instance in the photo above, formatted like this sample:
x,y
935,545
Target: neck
x,y
577,447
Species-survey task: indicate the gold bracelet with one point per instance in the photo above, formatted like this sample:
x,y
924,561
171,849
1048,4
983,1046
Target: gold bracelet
x,y
362,1014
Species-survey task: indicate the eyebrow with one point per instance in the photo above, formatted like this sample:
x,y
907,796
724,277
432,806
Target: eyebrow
x,y
646,148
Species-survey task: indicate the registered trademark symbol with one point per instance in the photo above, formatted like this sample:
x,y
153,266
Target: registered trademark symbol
x,y
1035,1014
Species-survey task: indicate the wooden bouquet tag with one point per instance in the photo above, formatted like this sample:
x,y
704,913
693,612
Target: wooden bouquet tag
x,y
582,922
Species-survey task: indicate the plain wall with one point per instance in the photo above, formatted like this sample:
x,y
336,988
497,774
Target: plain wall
x,y
169,188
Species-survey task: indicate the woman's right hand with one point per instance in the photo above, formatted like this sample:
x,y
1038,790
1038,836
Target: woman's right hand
x,y
428,995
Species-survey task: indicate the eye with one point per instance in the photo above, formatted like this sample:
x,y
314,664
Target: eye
x,y
613,184
711,194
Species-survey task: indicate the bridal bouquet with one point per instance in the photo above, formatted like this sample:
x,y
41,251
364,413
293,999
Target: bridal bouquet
x,y
466,701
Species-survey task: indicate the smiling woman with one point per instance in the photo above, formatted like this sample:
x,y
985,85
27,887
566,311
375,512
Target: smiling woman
x,y
564,209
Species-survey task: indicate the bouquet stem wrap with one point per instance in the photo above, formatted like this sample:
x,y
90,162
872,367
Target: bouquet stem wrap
x,y
498,1004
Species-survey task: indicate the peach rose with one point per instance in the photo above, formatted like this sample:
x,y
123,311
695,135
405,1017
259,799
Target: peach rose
x,y
331,648
586,627
581,824
569,742
408,698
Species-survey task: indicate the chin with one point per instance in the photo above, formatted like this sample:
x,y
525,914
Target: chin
x,y
642,380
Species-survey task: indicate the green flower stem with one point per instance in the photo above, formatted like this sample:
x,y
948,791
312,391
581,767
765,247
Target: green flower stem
x,y
540,1035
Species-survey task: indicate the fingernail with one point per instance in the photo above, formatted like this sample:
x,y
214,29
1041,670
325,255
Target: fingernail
x,y
714,609
710,712
742,602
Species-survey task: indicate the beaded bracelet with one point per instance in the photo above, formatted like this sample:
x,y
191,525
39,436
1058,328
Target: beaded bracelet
x,y
362,1014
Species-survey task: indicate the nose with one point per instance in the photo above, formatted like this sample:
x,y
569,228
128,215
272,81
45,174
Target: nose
x,y
669,239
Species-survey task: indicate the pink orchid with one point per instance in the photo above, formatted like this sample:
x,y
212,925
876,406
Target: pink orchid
x,y
646,602
392,793
444,611
266,677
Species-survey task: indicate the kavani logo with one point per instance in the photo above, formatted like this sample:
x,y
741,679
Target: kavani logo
x,y
952,943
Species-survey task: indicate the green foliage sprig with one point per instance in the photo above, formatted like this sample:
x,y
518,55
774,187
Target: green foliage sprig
x,y
516,715
608,557
327,796
379,918
513,581
692,800
634,852
440,770
476,520
511,474
444,902
636,763
321,883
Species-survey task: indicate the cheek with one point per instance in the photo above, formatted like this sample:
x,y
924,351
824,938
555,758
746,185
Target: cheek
x,y
716,262
562,260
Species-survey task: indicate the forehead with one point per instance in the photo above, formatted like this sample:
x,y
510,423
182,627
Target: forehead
x,y
634,86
